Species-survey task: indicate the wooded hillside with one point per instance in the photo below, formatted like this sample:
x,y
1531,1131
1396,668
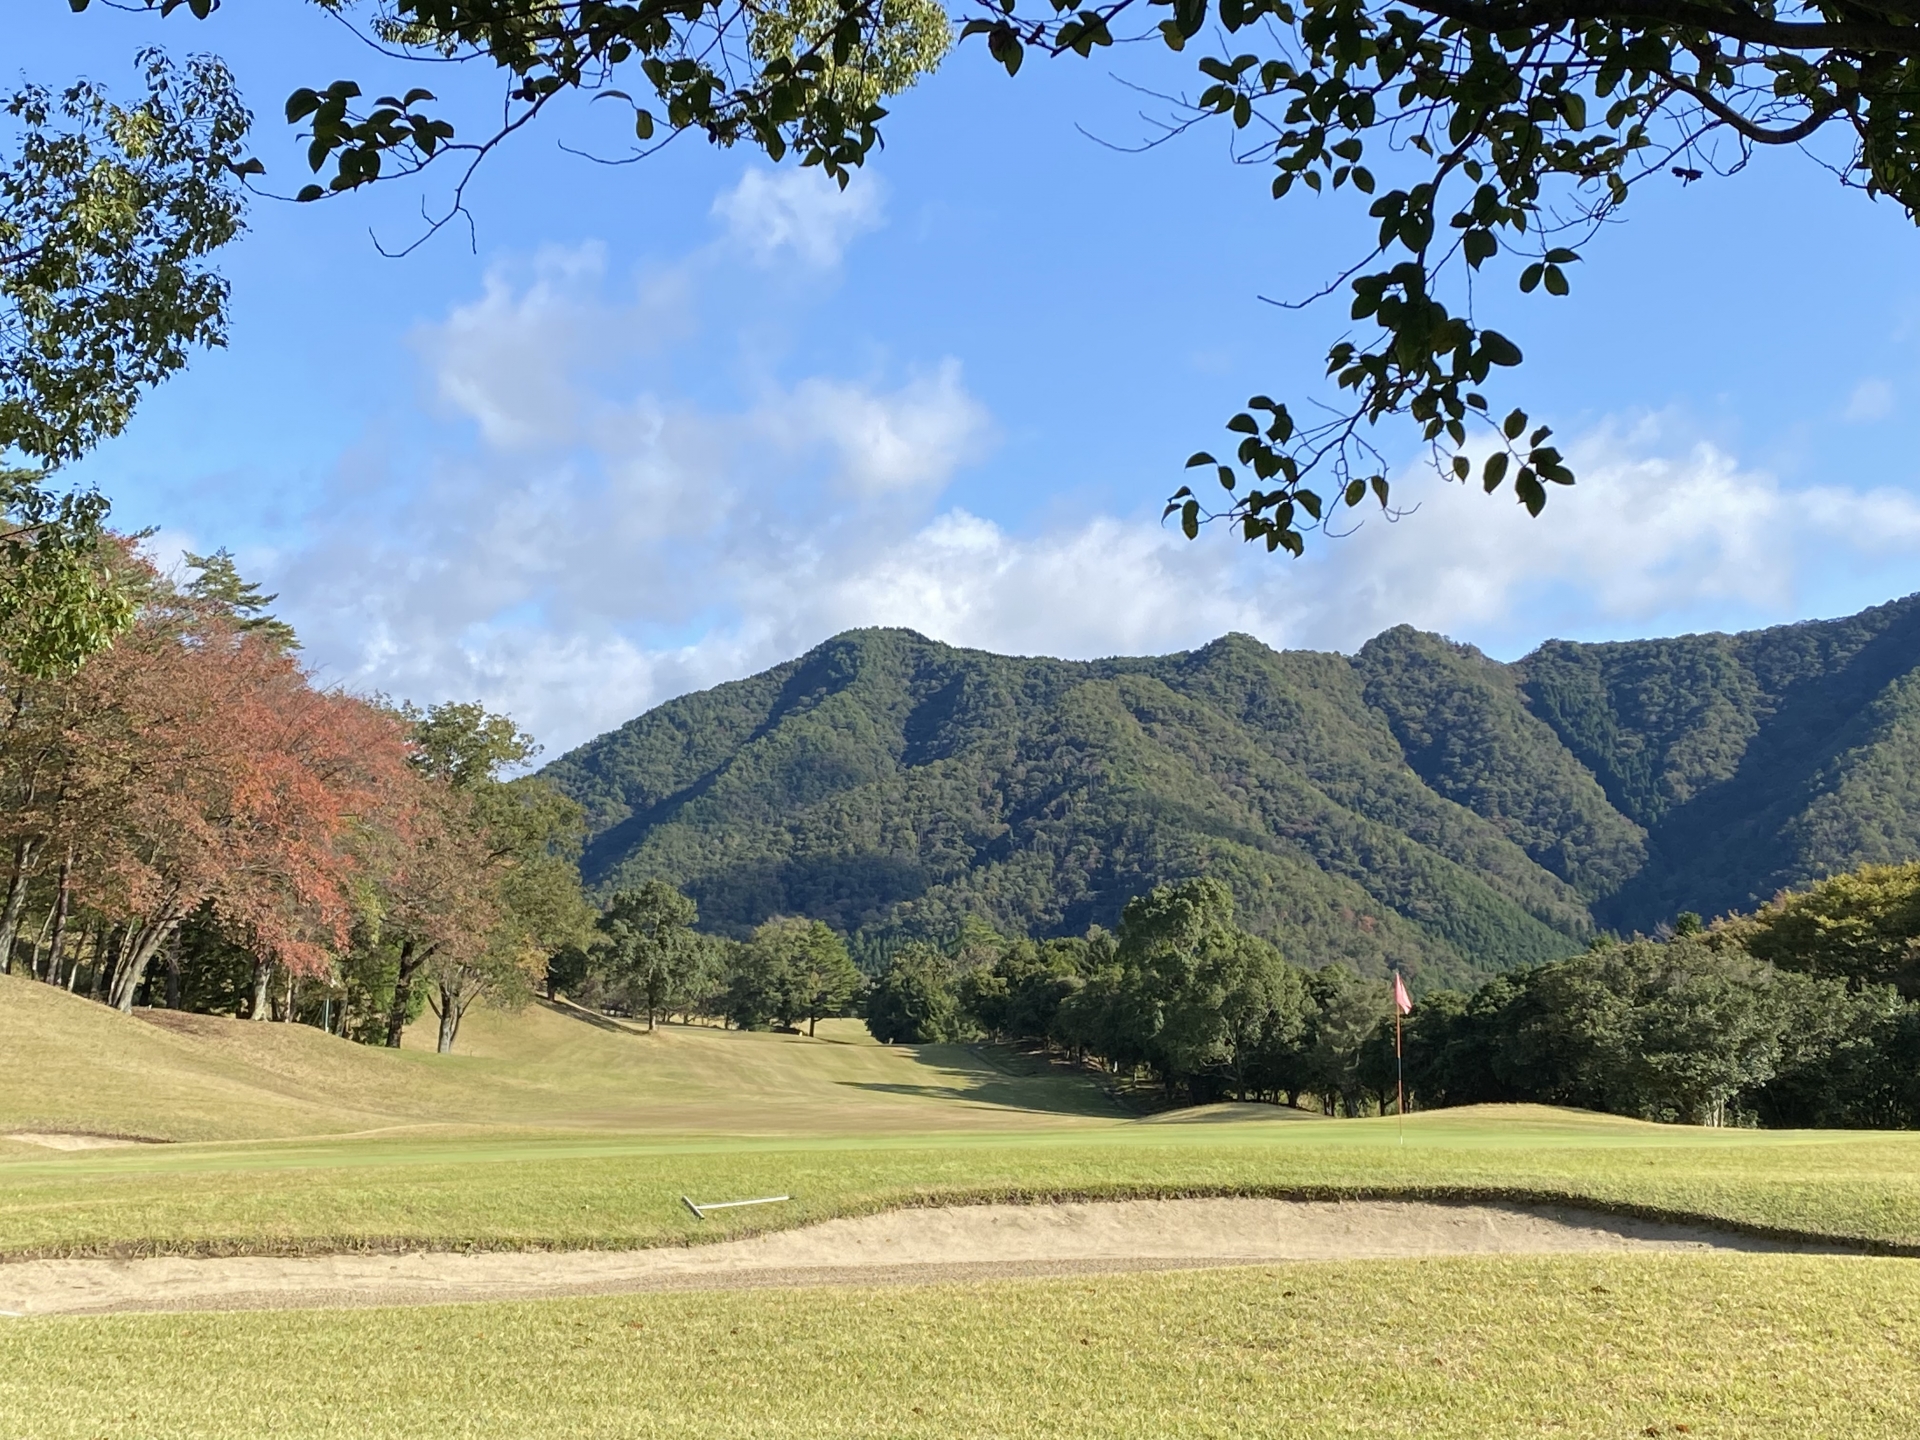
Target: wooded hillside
x,y
1416,804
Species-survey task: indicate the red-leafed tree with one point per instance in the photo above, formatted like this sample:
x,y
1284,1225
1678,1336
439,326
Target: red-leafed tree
x,y
239,786
190,765
191,771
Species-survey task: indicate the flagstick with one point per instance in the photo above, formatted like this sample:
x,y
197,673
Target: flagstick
x,y
1399,1072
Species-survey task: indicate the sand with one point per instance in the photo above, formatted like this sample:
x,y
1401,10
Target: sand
x,y
69,1140
902,1246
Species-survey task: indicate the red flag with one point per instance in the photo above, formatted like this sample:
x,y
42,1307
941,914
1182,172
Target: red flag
x,y
1402,1001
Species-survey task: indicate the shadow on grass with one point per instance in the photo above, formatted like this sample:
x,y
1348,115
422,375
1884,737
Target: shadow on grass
x,y
982,1083
589,1017
1235,1112
1001,1094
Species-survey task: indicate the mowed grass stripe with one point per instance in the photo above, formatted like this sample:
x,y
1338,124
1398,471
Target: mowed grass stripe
x,y
1616,1346
527,1193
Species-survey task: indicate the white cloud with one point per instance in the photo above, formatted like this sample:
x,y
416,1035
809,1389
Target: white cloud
x,y
1640,536
1884,521
606,546
798,210
505,361
913,438
1641,540
1871,400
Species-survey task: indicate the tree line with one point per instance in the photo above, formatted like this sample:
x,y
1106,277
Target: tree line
x,y
646,958
1178,994
1803,1013
187,819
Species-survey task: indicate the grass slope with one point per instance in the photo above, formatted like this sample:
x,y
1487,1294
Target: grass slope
x,y
1721,1346
553,1131
167,1076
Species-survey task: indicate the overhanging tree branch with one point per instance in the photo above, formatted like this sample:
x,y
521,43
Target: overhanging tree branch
x,y
1734,24
1485,136
1745,127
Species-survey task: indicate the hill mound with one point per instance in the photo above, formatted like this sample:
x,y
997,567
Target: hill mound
x,y
166,1075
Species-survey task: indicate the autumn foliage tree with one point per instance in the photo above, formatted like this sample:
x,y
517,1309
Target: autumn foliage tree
x,y
239,786
191,765
191,771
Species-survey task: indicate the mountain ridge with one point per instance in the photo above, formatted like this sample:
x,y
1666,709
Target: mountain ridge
x,y
1415,804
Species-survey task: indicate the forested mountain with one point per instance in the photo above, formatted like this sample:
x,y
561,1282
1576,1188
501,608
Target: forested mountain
x,y
1416,804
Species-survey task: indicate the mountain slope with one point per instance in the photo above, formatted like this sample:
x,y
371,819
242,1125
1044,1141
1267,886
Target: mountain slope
x,y
1416,805
1756,761
885,781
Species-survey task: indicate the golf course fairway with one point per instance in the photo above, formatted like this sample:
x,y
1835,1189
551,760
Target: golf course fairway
x,y
557,1131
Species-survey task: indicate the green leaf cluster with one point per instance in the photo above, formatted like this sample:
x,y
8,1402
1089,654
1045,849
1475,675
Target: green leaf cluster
x,y
109,217
217,582
1696,1031
62,596
792,970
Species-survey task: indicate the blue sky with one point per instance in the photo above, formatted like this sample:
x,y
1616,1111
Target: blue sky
x,y
661,425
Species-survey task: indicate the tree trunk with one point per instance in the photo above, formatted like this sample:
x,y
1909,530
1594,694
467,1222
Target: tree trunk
x,y
449,1021
23,853
811,1021
113,958
410,961
97,979
40,945
288,1017
141,946
62,898
262,978
173,973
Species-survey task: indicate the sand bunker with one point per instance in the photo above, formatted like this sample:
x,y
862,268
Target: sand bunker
x,y
959,1243
71,1140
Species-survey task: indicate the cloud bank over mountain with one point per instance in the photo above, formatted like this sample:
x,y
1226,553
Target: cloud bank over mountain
x,y
577,532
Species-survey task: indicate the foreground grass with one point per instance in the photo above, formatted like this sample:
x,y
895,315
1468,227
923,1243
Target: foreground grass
x,y
585,1191
1716,1346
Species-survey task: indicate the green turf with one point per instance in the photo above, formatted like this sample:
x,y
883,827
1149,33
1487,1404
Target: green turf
x,y
1711,1346
602,1191
556,1130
